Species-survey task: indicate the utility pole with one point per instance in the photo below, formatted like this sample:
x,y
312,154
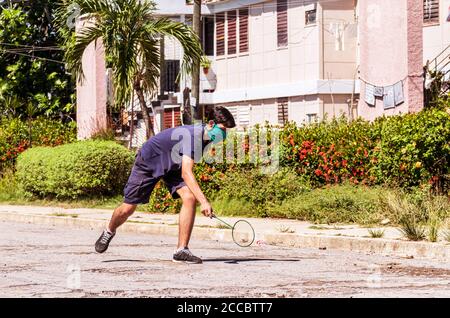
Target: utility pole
x,y
197,26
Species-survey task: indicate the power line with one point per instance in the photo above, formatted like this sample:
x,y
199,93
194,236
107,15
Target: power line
x,y
32,47
33,57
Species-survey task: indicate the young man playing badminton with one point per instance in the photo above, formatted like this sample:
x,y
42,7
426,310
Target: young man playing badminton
x,y
170,156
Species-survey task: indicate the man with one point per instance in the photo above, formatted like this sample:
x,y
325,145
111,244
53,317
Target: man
x,y
170,156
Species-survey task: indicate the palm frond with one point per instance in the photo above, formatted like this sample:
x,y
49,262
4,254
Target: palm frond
x,y
74,53
185,35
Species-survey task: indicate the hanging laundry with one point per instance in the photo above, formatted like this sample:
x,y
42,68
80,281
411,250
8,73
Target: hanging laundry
x,y
388,98
379,91
398,93
369,96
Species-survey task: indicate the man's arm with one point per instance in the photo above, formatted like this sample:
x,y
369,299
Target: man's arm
x,y
187,174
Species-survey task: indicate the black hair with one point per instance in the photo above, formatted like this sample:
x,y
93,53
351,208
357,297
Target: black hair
x,y
221,115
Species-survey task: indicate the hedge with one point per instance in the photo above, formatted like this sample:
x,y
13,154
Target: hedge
x,y
89,168
15,137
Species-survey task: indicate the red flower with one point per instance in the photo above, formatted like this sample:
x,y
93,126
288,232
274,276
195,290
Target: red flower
x,y
291,140
318,172
344,163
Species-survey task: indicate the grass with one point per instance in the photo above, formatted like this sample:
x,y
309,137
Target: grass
x,y
12,194
285,229
64,215
374,233
447,235
320,227
433,229
340,204
412,230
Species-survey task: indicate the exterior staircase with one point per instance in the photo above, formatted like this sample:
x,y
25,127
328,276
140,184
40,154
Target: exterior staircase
x,y
439,70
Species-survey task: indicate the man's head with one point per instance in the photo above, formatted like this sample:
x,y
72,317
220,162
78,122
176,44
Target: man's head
x,y
222,116
219,122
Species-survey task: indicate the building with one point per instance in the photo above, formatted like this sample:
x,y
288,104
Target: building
x,y
306,60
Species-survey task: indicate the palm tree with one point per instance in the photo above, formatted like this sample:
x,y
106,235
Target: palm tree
x,y
130,34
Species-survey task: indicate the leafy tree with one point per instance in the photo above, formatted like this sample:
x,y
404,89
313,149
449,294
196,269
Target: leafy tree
x,y
31,67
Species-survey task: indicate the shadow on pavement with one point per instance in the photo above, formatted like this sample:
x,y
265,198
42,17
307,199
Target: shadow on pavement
x,y
124,260
241,260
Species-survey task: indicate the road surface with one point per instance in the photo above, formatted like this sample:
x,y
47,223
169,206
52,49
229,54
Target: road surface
x,y
47,261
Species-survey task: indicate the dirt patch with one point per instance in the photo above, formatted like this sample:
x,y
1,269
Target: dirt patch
x,y
416,271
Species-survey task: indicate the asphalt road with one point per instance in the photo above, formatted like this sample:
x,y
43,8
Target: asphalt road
x,y
46,261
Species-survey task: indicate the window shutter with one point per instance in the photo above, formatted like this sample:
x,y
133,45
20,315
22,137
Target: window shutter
x,y
220,34
283,110
172,118
431,11
243,30
282,22
232,36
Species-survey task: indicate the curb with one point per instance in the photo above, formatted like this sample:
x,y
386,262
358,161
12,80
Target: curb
x,y
398,248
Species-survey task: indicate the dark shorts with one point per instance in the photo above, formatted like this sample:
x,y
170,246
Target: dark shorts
x,y
141,183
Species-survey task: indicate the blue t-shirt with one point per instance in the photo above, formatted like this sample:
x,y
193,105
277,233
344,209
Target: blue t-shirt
x,y
163,152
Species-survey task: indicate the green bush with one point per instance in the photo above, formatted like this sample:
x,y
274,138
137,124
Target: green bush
x,y
260,192
404,150
89,168
333,204
15,137
414,149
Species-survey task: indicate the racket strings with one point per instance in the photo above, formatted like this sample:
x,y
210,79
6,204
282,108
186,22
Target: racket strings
x,y
243,233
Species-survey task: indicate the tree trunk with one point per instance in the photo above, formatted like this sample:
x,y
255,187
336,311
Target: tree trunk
x,y
148,124
196,25
187,110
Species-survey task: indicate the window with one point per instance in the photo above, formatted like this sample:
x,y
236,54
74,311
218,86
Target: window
x,y
431,11
172,117
220,34
243,30
172,68
282,22
208,39
283,110
311,118
232,34
310,17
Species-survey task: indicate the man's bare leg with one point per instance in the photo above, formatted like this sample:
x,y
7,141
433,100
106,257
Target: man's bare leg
x,y
121,215
187,217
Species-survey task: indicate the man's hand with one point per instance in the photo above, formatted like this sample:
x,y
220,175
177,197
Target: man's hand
x,y
207,209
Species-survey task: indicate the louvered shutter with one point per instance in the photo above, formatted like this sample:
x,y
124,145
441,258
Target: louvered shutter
x,y
220,34
431,11
282,22
232,36
283,110
243,30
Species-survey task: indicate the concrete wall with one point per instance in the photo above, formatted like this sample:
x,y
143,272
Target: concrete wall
x,y
92,91
265,64
390,51
339,31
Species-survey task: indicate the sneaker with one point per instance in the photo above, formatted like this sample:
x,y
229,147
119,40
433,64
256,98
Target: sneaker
x,y
185,256
103,242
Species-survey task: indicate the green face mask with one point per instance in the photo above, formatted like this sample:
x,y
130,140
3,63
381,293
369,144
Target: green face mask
x,y
216,134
